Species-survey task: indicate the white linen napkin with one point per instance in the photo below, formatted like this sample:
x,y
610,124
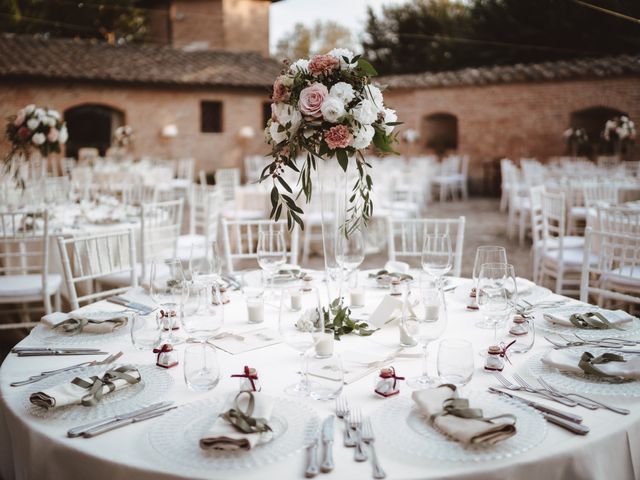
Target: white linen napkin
x,y
69,393
106,324
469,431
614,317
567,361
224,436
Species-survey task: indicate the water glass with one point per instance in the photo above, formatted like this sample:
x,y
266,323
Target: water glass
x,y
524,333
326,377
455,361
437,255
201,367
204,322
272,252
145,331
492,296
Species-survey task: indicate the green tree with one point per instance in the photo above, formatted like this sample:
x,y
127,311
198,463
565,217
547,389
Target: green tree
x,y
305,41
112,20
435,35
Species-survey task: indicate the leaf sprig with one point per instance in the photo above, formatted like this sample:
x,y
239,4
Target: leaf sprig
x,y
342,324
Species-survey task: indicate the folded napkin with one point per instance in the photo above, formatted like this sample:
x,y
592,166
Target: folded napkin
x,y
611,366
87,391
523,285
287,272
244,426
74,323
598,319
395,266
453,417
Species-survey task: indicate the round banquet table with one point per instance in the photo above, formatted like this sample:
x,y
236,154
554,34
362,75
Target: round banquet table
x,y
36,448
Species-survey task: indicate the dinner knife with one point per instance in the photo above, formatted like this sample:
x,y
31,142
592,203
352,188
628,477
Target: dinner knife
x,y
539,406
573,427
141,308
49,349
312,460
59,352
327,440
77,431
124,422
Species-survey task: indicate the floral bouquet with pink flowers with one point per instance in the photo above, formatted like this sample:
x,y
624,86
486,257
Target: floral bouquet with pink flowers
x,y
326,108
35,128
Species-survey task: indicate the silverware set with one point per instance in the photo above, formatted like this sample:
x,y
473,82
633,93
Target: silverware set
x,y
55,351
607,342
46,374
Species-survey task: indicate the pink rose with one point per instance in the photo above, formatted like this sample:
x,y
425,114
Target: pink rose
x,y
20,118
338,137
280,92
52,136
323,64
311,99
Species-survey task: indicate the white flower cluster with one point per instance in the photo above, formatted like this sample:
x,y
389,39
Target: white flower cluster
x,y
40,126
621,128
308,320
123,135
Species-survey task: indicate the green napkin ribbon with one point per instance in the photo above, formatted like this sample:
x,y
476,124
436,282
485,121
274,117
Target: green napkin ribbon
x,y
588,365
74,325
592,321
459,407
96,385
243,421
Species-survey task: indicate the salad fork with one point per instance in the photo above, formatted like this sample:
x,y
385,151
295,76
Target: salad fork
x,y
342,412
544,391
355,422
619,410
368,437
512,386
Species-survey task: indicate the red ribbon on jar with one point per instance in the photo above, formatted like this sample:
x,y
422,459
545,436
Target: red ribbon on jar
x,y
250,374
387,374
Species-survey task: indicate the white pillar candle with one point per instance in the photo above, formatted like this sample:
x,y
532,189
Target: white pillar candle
x,y
431,312
256,312
357,298
296,302
324,345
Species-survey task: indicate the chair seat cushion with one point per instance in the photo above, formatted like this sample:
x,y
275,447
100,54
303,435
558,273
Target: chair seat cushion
x,y
569,241
122,279
628,276
578,212
28,285
571,257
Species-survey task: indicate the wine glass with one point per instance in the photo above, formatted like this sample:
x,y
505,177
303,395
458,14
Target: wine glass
x,y
201,367
493,298
349,254
272,253
486,254
207,270
436,255
427,326
299,329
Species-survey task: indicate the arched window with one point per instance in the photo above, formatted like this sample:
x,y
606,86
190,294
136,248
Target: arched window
x,y
592,119
91,125
440,132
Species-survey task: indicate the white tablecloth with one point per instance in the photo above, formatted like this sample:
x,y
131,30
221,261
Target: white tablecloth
x,y
33,448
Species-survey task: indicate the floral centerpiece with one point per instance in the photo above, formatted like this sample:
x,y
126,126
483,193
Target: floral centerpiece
x,y
575,138
123,136
621,131
327,109
35,128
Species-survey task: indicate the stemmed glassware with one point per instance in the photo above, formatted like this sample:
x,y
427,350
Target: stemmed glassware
x,y
486,254
437,256
168,288
493,297
272,253
349,255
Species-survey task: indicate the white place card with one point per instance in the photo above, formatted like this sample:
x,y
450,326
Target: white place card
x,y
385,311
240,342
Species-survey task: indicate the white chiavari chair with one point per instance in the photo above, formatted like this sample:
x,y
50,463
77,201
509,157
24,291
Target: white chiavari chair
x,y
537,227
89,260
619,219
406,238
138,193
24,263
519,206
505,186
452,180
613,280
240,238
227,180
577,211
205,213
601,192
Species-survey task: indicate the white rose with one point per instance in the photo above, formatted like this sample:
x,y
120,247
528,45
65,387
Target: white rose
x,y
40,113
301,65
343,91
363,137
38,138
343,52
374,94
286,114
389,116
365,112
33,123
332,109
276,135
63,136
55,114
29,109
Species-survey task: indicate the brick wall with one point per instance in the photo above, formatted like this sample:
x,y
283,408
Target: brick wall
x,y
197,21
513,120
246,25
147,110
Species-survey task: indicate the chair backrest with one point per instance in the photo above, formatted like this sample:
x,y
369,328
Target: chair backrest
x,y
241,239
253,166
186,169
619,220
537,227
90,257
406,237
138,193
227,179
594,193
553,218
24,243
160,228
615,278
206,211
450,165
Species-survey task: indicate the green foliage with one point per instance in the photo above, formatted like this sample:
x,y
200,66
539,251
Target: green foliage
x,y
437,35
342,324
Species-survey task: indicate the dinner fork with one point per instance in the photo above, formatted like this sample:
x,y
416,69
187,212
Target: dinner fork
x,y
621,411
342,412
369,438
355,422
544,391
36,378
512,386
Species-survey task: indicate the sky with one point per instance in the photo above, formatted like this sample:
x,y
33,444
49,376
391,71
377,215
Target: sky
x,y
349,13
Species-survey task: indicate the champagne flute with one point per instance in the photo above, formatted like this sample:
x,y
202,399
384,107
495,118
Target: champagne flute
x,y
437,255
272,253
349,254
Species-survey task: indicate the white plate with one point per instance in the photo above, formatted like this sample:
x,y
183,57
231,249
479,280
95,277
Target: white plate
x,y
630,328
44,334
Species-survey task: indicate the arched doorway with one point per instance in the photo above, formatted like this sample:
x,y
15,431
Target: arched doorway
x,y
592,120
91,125
440,132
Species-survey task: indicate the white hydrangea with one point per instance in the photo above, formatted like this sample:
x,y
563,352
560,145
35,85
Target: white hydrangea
x,y
389,116
363,137
286,113
374,94
301,65
365,112
332,109
308,320
343,91
343,52
276,135
38,138
33,123
63,136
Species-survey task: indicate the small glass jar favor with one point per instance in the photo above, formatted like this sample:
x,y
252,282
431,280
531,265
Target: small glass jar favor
x,y
387,382
494,361
167,357
396,288
523,331
249,381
